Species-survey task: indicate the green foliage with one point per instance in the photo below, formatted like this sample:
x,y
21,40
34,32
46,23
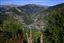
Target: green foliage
x,y
9,30
10,26
55,27
36,37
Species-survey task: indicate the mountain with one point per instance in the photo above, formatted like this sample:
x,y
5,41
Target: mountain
x,y
32,15
28,9
31,8
57,6
51,9
42,15
22,10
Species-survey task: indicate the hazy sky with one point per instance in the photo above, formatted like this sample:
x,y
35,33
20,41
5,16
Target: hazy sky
x,y
23,2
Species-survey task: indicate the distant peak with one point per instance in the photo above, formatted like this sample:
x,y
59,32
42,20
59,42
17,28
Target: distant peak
x,y
30,5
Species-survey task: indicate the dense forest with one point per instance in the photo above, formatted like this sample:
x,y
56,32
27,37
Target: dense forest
x,y
32,24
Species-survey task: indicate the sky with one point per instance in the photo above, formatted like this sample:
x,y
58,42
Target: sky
x,y
24,2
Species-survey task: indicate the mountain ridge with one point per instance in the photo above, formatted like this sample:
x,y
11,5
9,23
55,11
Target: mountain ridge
x,y
22,13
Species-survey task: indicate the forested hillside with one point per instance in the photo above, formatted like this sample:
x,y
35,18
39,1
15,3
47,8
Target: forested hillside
x,y
32,24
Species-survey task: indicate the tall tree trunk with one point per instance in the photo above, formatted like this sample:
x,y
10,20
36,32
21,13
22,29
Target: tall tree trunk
x,y
29,39
41,38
